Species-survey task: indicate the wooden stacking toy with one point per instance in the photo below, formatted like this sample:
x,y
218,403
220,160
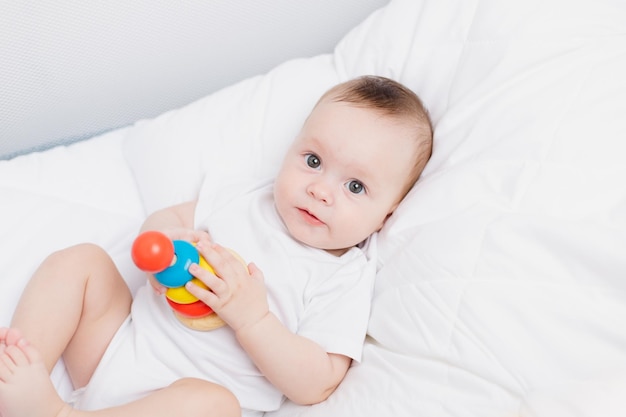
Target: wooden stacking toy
x,y
169,261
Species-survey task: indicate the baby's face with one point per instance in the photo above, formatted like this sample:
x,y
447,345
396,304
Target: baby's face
x,y
343,175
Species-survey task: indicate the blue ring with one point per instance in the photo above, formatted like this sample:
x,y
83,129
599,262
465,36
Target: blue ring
x,y
178,274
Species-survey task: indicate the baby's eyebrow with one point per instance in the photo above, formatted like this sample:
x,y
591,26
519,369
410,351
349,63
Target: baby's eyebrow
x,y
364,175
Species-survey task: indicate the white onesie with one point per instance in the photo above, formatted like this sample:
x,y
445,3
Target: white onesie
x,y
314,294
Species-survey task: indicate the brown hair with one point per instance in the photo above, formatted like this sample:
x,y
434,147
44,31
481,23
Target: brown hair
x,y
392,99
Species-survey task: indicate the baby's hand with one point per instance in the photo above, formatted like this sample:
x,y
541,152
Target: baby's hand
x,y
237,294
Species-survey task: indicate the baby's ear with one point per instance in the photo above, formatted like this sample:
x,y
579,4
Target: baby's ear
x,y
393,208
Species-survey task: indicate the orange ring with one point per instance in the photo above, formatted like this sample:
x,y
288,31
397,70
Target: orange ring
x,y
193,310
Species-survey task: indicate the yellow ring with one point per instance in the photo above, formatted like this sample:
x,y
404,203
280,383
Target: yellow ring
x,y
205,265
180,295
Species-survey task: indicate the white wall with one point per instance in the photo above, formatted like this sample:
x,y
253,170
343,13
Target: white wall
x,y
70,69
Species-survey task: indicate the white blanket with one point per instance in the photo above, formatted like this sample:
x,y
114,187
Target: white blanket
x,y
502,280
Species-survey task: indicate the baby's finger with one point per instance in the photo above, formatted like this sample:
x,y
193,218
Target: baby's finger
x,y
215,284
255,272
202,236
227,264
202,294
159,288
216,258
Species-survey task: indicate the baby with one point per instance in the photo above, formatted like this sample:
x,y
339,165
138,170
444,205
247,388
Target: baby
x,y
295,318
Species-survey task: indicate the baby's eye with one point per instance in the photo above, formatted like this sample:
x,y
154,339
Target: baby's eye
x,y
355,187
312,160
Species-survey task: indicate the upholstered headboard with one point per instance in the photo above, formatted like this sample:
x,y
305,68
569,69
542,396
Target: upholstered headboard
x,y
70,70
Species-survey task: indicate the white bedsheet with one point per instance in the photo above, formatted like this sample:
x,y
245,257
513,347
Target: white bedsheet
x,y
502,279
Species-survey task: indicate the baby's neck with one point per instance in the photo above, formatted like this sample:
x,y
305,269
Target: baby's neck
x,y
337,252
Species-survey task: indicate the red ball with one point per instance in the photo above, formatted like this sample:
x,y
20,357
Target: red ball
x,y
152,251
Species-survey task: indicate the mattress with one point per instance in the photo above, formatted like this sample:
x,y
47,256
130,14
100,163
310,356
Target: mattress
x,y
501,286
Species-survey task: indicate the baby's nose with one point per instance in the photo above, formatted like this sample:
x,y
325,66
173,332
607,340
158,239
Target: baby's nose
x,y
320,191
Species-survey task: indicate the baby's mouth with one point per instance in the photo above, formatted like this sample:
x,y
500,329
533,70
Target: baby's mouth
x,y
309,217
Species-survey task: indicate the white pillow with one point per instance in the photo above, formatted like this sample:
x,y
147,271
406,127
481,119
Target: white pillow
x,y
244,128
502,272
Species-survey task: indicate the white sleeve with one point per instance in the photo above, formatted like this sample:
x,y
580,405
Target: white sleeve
x,y
337,313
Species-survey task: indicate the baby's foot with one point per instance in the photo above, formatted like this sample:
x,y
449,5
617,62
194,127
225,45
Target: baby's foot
x,y
25,386
8,337
3,338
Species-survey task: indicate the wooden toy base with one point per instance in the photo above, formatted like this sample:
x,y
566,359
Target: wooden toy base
x,y
206,323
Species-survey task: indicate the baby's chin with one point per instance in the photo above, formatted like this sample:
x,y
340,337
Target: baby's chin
x,y
317,242
333,250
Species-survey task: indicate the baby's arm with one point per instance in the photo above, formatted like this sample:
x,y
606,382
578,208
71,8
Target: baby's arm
x,y
176,219
299,367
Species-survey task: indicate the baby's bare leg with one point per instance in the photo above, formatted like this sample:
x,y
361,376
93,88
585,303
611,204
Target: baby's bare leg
x,y
26,390
187,397
72,307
